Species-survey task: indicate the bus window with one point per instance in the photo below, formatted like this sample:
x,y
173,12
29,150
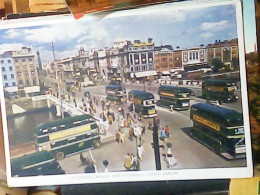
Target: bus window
x,y
45,131
42,139
77,123
71,140
62,127
54,128
80,137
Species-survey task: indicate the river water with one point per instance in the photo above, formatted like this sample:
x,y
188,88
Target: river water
x,y
21,128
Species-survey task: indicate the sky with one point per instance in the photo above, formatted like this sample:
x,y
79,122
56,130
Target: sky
x,y
184,28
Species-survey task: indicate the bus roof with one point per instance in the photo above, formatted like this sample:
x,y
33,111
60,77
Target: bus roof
x,y
60,121
31,159
142,94
114,86
217,111
173,88
219,81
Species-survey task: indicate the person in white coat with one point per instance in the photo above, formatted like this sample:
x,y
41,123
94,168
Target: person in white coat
x,y
140,151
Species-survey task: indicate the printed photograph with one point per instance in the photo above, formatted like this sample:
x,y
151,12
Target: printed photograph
x,y
144,92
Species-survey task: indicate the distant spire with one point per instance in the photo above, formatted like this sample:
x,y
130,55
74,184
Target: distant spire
x,y
39,60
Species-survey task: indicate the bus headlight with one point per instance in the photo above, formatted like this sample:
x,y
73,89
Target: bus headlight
x,y
40,148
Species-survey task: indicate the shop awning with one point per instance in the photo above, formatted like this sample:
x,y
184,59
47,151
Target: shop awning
x,y
32,89
145,74
11,89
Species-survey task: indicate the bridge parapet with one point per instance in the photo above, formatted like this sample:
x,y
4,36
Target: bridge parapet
x,y
66,106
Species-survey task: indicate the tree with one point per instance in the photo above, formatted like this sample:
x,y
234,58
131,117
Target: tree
x,y
217,64
253,78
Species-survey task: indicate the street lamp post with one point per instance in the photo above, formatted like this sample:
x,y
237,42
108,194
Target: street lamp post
x,y
138,160
156,145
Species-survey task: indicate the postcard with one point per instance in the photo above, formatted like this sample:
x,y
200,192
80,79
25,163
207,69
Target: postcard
x,y
156,93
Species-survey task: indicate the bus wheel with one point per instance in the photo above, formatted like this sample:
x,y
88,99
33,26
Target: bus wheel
x,y
60,156
97,144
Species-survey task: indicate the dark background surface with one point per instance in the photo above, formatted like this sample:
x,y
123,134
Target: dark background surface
x,y
163,187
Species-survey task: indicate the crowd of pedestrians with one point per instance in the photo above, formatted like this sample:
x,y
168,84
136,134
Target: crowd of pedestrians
x,y
126,126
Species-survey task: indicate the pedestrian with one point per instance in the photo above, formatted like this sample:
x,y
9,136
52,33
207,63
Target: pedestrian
x,y
94,99
117,117
104,117
94,108
129,120
140,151
123,112
103,105
134,161
140,116
128,162
90,111
137,131
167,131
110,119
108,105
90,102
122,123
105,163
117,136
113,116
131,134
75,102
122,136
83,160
143,130
163,134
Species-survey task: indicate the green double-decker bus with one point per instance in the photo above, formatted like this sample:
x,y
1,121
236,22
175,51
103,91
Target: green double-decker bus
x,y
176,97
116,94
39,163
220,129
143,103
68,136
221,90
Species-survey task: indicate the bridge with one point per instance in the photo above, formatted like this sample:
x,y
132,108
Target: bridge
x,y
63,106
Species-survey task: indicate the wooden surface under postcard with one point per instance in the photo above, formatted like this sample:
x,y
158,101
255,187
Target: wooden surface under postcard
x,y
156,93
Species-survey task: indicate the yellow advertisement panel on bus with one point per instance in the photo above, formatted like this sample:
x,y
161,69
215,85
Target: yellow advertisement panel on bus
x,y
69,132
206,122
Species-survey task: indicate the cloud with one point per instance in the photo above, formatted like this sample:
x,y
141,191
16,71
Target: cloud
x,y
117,27
46,34
207,35
214,26
10,47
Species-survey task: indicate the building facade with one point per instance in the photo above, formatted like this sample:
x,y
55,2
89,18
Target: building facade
x,y
194,58
167,60
141,56
8,71
25,68
104,62
225,51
